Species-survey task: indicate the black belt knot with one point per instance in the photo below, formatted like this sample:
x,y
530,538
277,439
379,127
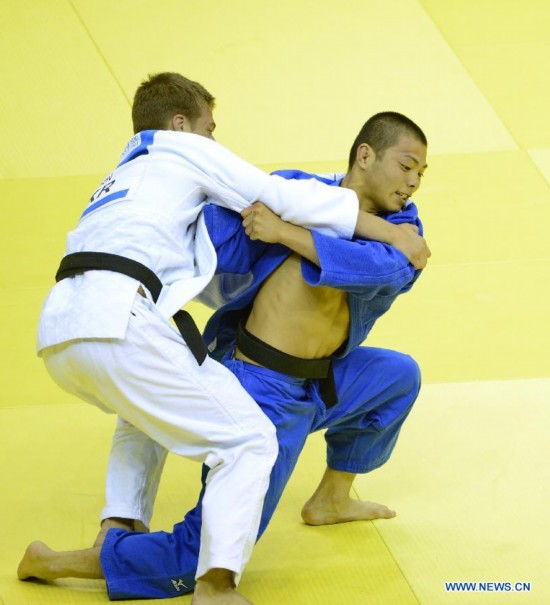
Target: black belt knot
x,y
79,262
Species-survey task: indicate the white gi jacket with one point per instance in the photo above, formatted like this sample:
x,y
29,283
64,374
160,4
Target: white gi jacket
x,y
149,210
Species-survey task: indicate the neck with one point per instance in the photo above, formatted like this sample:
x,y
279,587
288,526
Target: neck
x,y
350,181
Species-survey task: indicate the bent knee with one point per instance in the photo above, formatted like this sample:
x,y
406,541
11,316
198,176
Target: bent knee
x,y
269,443
411,372
262,439
405,373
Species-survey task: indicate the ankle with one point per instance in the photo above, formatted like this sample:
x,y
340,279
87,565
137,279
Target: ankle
x,y
217,579
118,523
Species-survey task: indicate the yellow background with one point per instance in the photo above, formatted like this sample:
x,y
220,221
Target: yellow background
x,y
294,82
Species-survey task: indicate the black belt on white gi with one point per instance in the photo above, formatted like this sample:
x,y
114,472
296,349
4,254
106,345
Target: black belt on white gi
x,y
276,360
79,262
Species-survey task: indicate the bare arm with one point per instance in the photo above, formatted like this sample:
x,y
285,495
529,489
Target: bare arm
x,y
261,223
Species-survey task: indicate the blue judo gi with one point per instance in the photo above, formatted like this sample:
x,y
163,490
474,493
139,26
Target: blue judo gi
x,y
376,387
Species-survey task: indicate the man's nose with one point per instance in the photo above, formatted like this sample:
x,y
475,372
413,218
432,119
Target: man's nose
x,y
413,181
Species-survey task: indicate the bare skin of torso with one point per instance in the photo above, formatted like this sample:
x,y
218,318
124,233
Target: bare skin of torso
x,y
296,318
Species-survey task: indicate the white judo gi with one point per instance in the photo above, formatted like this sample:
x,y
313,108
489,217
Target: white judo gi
x,y
104,342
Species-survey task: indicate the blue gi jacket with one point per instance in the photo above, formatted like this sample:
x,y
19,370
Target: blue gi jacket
x,y
373,274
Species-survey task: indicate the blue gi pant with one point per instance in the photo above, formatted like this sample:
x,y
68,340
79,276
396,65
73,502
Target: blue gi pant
x,y
376,390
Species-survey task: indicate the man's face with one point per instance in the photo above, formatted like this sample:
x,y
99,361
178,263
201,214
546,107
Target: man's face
x,y
204,125
391,179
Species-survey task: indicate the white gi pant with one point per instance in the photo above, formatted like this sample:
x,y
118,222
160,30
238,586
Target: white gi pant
x,y
151,379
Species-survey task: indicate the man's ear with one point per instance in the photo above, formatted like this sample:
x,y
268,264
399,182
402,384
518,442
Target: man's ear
x,y
179,122
363,155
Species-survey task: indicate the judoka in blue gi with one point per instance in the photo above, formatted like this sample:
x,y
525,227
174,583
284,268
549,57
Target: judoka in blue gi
x,y
292,334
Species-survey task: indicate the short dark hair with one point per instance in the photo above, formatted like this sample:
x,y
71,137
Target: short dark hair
x,y
383,130
163,95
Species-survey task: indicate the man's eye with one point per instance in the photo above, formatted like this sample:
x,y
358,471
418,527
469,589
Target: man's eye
x,y
406,168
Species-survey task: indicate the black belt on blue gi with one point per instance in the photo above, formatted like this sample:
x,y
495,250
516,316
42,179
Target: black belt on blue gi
x,y
79,262
273,359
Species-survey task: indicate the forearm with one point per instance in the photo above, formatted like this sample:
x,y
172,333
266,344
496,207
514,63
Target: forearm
x,y
365,268
299,240
372,227
313,205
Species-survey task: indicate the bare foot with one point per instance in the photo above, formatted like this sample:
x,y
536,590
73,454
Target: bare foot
x,y
43,563
114,523
216,587
318,511
36,562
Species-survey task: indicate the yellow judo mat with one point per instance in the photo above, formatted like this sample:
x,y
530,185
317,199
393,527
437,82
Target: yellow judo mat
x,y
294,81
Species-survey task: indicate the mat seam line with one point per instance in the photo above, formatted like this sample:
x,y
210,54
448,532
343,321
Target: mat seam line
x,y
390,553
100,53
401,571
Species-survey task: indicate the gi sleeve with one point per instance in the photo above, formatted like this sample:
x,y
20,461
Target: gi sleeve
x,y
235,184
365,268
